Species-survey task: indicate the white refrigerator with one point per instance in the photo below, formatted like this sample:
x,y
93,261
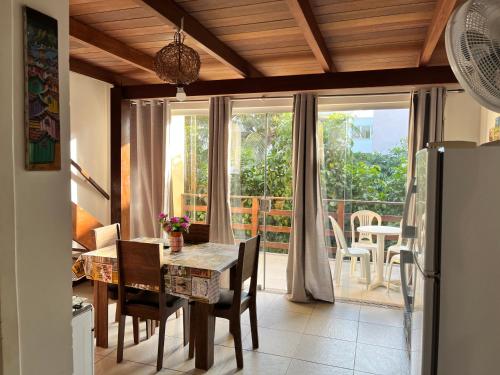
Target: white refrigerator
x,y
453,227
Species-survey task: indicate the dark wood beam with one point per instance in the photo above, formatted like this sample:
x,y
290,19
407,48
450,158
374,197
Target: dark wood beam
x,y
90,70
110,45
302,12
115,151
307,82
173,13
443,11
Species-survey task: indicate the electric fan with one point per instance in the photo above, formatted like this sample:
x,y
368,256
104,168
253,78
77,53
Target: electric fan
x,y
473,48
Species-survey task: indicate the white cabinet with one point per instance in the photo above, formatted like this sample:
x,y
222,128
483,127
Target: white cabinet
x,y
83,340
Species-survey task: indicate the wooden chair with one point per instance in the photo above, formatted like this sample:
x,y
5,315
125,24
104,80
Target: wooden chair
x,y
198,233
232,303
139,263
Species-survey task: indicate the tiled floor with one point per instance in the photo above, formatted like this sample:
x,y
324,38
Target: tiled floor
x,y
295,339
350,288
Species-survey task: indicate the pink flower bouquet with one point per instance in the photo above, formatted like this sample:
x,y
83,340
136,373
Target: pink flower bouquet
x,y
174,223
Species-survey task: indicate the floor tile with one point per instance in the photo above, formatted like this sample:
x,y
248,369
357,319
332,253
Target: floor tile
x,y
317,338
381,315
284,320
283,303
381,335
98,357
339,309
146,351
224,337
179,361
298,367
108,366
326,351
257,363
381,361
275,342
332,327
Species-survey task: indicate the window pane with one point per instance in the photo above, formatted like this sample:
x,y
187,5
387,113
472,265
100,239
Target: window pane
x,y
261,188
364,164
189,157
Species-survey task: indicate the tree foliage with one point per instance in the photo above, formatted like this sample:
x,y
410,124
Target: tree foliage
x,y
261,165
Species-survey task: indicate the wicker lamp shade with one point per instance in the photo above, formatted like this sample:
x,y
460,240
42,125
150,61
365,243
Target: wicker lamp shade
x,y
177,63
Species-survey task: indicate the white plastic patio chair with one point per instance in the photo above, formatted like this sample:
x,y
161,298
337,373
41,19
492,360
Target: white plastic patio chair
x,y
396,259
364,240
394,249
354,253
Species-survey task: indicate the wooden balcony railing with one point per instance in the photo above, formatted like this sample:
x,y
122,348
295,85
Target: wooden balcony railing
x,y
195,204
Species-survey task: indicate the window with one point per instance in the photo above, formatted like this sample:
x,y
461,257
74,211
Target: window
x,y
189,158
364,163
261,187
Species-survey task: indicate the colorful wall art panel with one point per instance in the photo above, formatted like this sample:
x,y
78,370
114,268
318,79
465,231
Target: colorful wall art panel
x,y
42,121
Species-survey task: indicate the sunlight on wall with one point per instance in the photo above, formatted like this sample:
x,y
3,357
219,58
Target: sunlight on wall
x,y
74,185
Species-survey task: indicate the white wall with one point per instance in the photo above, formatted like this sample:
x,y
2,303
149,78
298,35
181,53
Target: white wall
x,y
35,219
90,131
462,118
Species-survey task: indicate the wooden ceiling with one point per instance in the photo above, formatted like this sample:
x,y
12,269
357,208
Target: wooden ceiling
x,y
115,40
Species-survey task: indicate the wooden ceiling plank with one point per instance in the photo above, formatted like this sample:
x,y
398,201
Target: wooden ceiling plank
x,y
302,12
442,13
173,13
110,45
100,6
309,82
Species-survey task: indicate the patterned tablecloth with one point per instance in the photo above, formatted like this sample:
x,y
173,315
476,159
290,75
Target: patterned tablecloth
x,y
193,273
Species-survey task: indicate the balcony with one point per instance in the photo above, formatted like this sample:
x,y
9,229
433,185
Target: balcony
x,y
271,217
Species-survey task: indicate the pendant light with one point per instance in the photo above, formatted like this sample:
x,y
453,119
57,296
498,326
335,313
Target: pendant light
x,y
177,63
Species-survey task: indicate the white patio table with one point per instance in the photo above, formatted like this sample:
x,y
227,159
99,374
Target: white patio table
x,y
380,231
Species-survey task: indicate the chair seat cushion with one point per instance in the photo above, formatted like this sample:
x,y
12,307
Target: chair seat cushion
x,y
226,298
147,298
358,251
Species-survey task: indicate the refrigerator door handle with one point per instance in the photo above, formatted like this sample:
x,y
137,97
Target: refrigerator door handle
x,y
406,260
428,275
407,230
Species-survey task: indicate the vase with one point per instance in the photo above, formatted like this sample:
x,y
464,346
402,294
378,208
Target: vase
x,y
176,241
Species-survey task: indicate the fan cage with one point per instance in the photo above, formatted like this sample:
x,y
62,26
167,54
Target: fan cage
x,y
474,52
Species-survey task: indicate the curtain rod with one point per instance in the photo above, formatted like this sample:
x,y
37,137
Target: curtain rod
x,y
134,101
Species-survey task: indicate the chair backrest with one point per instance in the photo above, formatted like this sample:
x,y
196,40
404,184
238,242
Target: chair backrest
x,y
364,217
139,263
339,237
247,268
198,233
107,235
400,237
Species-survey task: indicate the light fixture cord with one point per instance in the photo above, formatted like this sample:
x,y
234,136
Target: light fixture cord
x,y
179,46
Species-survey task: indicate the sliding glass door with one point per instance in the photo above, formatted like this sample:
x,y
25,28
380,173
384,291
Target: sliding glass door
x,y
261,188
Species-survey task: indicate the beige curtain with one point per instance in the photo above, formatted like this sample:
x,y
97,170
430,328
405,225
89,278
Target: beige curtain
x,y
218,212
426,121
147,168
168,200
308,271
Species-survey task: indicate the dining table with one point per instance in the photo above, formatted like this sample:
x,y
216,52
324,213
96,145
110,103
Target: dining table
x,y
381,231
193,273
